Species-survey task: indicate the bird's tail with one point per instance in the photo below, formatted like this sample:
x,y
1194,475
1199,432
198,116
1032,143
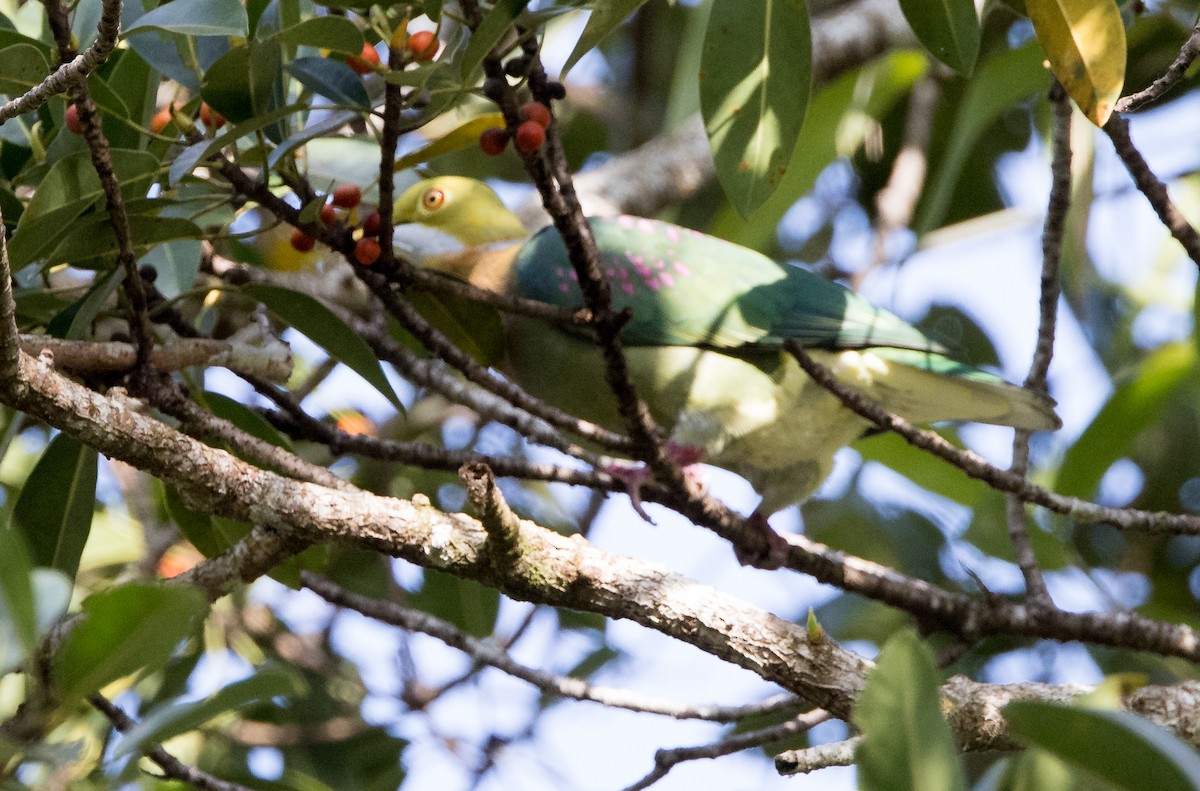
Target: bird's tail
x,y
928,388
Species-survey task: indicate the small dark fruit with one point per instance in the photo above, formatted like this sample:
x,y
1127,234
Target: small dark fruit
x,y
530,136
367,251
493,141
302,241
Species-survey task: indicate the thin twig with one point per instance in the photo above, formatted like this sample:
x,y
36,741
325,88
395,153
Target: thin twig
x,y
975,466
489,653
1173,76
101,156
172,767
1052,236
665,760
1155,191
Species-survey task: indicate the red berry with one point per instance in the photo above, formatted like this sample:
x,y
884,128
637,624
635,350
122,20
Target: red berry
x,y
423,45
211,118
73,122
347,196
536,111
328,215
530,136
366,61
493,141
367,251
302,241
371,224
160,120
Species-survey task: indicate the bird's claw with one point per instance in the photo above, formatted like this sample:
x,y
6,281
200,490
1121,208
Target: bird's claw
x,y
772,555
635,476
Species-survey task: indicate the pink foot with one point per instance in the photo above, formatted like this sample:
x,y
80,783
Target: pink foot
x,y
635,476
774,551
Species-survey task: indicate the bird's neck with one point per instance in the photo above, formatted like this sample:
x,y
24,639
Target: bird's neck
x,y
488,266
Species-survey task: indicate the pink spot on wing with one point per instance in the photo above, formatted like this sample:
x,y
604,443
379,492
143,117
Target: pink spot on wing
x,y
646,225
672,233
653,284
572,274
625,221
667,280
627,287
610,272
643,270
564,287
660,265
624,273
682,269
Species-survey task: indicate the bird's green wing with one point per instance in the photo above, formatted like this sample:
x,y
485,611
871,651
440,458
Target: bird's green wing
x,y
689,289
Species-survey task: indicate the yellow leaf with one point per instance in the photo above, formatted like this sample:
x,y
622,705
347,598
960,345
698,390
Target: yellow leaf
x,y
455,140
1084,40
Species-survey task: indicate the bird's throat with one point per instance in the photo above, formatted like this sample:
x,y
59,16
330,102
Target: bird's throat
x,y
489,267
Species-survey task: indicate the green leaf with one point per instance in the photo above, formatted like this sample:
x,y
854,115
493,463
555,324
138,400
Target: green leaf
x,y
125,629
605,18
54,510
177,264
491,29
332,79
465,603
322,326
22,66
196,527
91,243
245,418
867,95
949,29
165,722
50,591
1117,748
1084,40
907,746
1132,408
754,88
329,32
18,620
196,18
242,84
1004,80
465,135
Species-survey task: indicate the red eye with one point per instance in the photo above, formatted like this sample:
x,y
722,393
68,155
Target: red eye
x,y
433,199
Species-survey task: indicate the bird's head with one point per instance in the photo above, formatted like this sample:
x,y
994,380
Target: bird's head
x,y
448,215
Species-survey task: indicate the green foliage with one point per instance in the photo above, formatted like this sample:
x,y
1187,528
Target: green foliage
x,y
1116,748
906,745
754,88
297,113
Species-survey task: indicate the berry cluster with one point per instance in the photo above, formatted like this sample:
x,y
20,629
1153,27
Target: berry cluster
x,y
345,196
529,135
422,47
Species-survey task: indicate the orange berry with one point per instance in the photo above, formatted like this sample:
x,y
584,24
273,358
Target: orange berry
x,y
493,141
367,251
302,241
355,423
530,136
160,120
72,118
347,196
364,62
536,111
328,215
371,224
423,45
211,118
